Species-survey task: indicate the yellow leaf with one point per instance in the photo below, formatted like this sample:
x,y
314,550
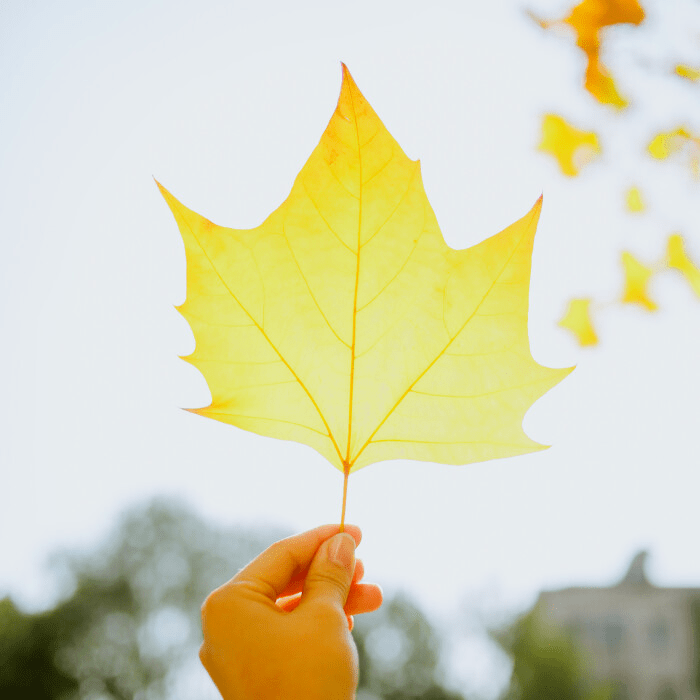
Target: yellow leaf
x,y
572,147
601,85
587,19
688,72
668,142
636,280
590,16
577,319
634,201
678,259
345,322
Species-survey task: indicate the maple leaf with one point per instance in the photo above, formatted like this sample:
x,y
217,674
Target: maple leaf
x,y
588,19
600,83
687,72
637,277
634,200
677,258
666,143
572,147
345,322
577,319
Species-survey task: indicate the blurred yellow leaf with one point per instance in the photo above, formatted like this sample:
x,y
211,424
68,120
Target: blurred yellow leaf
x,y
587,19
634,201
678,259
577,319
667,143
688,72
345,322
601,85
636,280
572,147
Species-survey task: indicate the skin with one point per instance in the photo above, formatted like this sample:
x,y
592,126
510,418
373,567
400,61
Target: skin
x,y
281,627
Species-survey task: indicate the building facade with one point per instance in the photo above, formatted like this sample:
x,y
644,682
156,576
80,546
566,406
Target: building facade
x,y
642,638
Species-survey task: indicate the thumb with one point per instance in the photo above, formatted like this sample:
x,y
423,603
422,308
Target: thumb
x,y
330,572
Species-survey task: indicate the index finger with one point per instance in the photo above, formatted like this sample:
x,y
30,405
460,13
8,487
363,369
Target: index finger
x,y
271,571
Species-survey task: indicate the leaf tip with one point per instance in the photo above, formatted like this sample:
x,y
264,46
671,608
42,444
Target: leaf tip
x,y
164,192
347,77
196,411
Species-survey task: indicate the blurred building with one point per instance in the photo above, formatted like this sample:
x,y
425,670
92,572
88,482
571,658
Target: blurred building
x,y
642,638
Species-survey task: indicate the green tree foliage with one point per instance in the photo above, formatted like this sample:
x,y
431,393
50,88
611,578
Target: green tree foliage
x,y
546,664
399,654
130,630
695,620
132,621
27,648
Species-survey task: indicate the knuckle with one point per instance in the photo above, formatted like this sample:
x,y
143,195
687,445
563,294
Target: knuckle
x,y
335,577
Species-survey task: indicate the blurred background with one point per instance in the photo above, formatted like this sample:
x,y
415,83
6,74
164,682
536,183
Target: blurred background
x,y
517,578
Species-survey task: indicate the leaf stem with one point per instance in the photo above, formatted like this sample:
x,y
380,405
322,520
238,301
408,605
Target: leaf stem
x,y
346,473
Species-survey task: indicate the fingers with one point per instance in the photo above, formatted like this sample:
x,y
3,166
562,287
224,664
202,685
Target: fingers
x,y
330,574
362,598
272,572
297,583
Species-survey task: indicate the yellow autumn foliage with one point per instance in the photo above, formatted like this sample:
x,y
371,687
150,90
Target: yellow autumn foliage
x,y
573,148
634,200
345,322
587,20
687,72
677,258
637,277
577,319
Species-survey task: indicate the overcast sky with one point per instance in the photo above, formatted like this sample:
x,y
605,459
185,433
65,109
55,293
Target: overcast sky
x,y
223,102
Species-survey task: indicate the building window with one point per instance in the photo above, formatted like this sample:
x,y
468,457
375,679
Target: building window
x,y
614,635
620,691
667,692
659,636
574,630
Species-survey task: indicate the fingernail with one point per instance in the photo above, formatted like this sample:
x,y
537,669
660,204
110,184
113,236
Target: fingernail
x,y
341,550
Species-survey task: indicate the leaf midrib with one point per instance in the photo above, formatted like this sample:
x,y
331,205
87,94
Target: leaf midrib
x,y
346,462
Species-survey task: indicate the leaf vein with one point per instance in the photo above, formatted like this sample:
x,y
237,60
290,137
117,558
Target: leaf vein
x,y
504,389
267,418
337,179
235,362
398,272
308,286
379,171
395,209
325,221
370,139
451,442
218,324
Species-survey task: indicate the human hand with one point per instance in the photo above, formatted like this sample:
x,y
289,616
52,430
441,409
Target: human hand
x,y
280,628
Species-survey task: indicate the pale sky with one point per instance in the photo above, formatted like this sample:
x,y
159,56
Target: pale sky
x,y
222,102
